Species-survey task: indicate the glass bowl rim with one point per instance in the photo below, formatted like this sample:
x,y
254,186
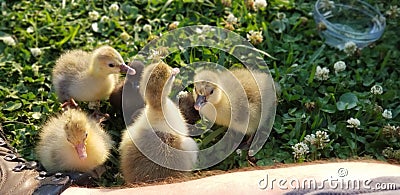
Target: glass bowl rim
x,y
381,19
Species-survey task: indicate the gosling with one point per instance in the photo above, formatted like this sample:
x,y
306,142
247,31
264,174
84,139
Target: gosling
x,y
186,105
220,98
126,96
84,76
160,122
72,141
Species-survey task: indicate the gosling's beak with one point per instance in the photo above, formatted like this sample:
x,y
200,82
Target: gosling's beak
x,y
175,71
81,150
199,102
126,69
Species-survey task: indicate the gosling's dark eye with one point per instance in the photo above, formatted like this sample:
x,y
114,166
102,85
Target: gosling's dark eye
x,y
86,135
212,91
111,65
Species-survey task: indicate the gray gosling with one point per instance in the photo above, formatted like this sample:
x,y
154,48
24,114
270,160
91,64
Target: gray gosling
x,y
126,97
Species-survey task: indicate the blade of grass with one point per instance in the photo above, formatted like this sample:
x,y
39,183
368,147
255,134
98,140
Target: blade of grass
x,y
212,136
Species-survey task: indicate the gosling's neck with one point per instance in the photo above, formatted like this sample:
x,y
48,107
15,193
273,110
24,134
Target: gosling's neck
x,y
157,98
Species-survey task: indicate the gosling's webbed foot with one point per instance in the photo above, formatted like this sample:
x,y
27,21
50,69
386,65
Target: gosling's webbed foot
x,y
245,145
251,160
81,179
100,117
97,172
97,115
250,140
69,104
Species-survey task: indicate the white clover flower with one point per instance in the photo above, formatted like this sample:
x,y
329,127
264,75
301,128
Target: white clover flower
x,y
393,128
255,37
124,36
231,19
95,27
339,66
310,139
30,29
137,28
353,123
35,51
322,134
391,131
376,90
239,152
94,15
388,152
251,152
260,4
322,73
114,7
182,94
326,5
393,11
300,150
350,48
104,19
147,28
322,138
8,40
198,31
387,114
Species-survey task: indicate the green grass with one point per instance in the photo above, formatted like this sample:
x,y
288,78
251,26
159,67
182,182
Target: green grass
x,y
306,105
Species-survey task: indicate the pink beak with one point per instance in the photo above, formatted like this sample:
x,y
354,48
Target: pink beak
x,y
175,71
81,150
127,69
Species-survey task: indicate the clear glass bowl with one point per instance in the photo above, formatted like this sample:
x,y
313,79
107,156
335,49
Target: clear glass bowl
x,y
342,21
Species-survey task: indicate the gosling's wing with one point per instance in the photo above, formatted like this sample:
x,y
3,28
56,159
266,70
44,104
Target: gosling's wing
x,y
72,63
69,68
